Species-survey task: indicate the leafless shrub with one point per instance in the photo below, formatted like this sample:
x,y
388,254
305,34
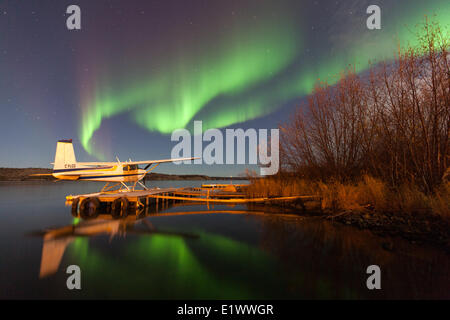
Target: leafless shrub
x,y
395,125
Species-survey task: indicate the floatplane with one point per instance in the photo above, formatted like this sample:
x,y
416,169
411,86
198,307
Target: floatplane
x,y
115,174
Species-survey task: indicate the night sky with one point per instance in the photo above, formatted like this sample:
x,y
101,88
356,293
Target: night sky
x,y
137,70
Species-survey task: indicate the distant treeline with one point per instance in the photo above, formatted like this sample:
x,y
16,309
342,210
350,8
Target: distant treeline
x,y
24,174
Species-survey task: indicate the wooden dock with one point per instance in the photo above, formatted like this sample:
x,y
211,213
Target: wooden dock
x,y
121,203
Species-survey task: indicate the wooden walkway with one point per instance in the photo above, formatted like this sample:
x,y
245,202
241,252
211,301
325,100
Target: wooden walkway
x,y
132,196
119,202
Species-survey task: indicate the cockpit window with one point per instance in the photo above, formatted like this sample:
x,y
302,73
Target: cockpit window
x,y
130,167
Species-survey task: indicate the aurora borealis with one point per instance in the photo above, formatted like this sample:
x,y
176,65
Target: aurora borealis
x,y
169,100
141,69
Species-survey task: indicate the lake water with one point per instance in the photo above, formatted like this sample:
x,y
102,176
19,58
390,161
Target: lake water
x,y
195,252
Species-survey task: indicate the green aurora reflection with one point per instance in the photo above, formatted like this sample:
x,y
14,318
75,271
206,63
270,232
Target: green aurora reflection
x,y
167,267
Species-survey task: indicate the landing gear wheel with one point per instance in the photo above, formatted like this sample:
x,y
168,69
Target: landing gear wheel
x,y
89,208
75,203
119,208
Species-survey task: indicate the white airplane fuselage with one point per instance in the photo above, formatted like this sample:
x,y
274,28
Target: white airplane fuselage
x,y
110,173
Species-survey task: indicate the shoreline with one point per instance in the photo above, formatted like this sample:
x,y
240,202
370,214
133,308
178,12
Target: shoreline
x,y
23,174
418,229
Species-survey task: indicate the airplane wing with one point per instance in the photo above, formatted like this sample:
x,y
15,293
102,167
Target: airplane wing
x,y
98,164
135,162
159,161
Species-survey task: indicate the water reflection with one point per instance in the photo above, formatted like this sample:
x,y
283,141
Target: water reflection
x,y
56,240
329,261
158,262
235,253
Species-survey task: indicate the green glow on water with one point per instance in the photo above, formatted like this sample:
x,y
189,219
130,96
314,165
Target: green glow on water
x,y
160,266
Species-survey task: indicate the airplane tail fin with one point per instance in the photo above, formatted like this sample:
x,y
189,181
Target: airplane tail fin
x,y
65,156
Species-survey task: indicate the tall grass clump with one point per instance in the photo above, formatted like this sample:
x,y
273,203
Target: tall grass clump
x,y
373,192
440,202
338,196
367,193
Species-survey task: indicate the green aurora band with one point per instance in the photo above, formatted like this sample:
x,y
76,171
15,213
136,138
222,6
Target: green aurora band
x,y
228,82
171,99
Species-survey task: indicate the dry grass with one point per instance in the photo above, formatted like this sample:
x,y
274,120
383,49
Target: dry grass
x,y
409,199
277,187
337,196
373,192
440,203
368,192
